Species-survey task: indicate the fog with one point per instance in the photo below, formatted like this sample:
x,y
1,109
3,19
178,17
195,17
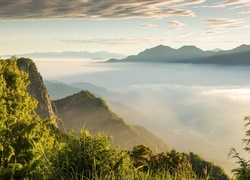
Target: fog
x,y
197,108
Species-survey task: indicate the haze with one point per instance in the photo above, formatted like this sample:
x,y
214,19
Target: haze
x,y
192,107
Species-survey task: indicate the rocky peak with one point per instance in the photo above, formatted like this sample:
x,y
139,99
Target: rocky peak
x,y
36,88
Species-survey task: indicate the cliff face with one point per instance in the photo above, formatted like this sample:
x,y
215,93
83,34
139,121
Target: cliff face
x,y
85,110
37,88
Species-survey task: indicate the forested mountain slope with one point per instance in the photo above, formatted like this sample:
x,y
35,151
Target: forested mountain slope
x,y
86,110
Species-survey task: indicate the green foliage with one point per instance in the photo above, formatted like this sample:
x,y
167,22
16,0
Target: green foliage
x,y
88,156
204,169
24,138
175,165
242,172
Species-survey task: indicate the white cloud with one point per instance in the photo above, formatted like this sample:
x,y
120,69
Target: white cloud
x,y
108,41
147,25
175,23
216,24
221,21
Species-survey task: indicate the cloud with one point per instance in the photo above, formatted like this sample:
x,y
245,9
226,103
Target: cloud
x,y
191,2
233,2
221,22
147,25
89,9
224,23
175,23
205,118
108,41
226,3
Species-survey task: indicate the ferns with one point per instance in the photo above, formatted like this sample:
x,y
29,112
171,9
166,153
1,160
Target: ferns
x,y
242,172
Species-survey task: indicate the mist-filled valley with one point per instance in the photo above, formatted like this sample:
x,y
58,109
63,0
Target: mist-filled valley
x,y
197,108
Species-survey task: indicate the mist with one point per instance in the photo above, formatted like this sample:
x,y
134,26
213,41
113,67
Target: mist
x,y
197,108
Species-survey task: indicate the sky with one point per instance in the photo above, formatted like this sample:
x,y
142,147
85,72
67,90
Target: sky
x,y
125,27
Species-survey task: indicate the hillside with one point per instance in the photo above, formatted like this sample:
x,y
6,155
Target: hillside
x,y
191,54
86,110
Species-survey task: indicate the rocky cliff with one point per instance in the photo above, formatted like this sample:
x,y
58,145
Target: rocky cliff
x,y
37,88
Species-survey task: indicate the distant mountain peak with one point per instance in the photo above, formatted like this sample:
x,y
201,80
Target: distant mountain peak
x,y
189,47
242,48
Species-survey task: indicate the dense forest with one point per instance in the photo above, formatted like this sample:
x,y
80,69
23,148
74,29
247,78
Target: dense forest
x,y
34,148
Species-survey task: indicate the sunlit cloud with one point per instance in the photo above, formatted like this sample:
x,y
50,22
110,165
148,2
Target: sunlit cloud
x,y
221,21
233,2
147,25
191,2
86,9
108,41
221,25
175,23
240,3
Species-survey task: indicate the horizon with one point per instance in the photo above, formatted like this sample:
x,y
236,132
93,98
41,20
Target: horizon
x,y
125,55
119,27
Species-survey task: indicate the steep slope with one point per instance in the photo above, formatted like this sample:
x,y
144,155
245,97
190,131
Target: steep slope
x,y
36,88
85,110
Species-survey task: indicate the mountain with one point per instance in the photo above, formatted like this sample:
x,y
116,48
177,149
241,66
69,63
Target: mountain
x,y
84,109
167,54
236,56
100,91
37,88
72,54
191,54
59,90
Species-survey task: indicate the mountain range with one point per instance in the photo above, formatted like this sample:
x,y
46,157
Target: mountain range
x,y
59,90
191,54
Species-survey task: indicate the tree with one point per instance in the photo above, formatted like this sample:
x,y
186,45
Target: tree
x,y
242,172
23,136
141,156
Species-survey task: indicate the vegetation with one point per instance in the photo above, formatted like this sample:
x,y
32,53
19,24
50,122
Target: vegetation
x,y
242,172
25,140
32,148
